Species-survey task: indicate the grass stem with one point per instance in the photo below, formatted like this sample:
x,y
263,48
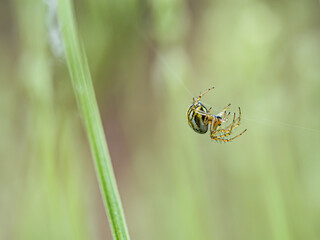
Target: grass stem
x,y
84,91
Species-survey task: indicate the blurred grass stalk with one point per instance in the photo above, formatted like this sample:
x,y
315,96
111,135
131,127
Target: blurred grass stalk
x,y
189,216
46,209
84,91
42,190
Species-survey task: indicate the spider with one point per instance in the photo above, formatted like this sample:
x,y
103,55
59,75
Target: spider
x,y
200,119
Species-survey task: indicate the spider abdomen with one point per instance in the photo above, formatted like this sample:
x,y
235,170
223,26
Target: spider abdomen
x,y
196,118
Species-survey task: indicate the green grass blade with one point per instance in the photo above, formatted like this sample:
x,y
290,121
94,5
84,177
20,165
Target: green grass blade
x,y
83,88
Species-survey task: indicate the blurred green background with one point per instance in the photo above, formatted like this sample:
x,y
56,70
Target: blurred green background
x,y
148,59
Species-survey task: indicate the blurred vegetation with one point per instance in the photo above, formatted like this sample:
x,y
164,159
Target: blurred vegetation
x,y
148,59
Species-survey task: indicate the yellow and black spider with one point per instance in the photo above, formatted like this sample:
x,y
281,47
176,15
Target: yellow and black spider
x,y
200,119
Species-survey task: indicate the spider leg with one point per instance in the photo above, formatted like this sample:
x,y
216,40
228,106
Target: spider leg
x,y
214,129
226,133
224,115
227,118
229,128
200,96
238,119
227,140
232,126
224,110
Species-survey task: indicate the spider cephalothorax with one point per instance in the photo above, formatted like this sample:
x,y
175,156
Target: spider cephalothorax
x,y
200,120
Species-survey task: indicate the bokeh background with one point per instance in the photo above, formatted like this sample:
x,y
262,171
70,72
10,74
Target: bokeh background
x,y
148,59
